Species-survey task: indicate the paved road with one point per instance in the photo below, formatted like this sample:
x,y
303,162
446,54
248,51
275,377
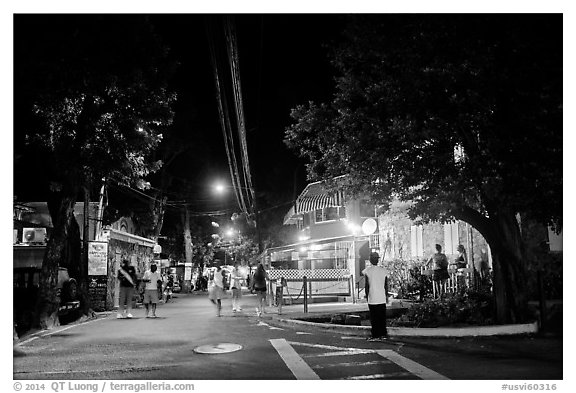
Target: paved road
x,y
163,349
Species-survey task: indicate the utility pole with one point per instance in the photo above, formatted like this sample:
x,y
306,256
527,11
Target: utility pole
x,y
98,226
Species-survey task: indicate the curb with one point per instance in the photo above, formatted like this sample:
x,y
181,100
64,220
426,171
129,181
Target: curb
x,y
364,331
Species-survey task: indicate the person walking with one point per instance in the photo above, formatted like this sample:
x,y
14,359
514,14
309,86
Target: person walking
x,y
127,278
440,270
258,285
376,288
216,289
236,285
152,279
280,284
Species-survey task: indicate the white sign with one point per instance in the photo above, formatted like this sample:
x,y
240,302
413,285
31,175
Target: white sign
x,y
97,258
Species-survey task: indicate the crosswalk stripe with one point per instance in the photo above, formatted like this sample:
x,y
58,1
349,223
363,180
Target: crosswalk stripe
x,y
353,364
321,346
338,353
381,376
295,363
410,365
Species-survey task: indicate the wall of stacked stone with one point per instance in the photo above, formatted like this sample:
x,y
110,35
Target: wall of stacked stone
x,y
139,256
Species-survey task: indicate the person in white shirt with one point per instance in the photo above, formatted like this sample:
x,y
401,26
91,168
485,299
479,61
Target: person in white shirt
x,y
216,289
376,291
152,279
236,286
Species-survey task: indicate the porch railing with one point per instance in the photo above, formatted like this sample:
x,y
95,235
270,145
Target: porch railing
x,y
458,279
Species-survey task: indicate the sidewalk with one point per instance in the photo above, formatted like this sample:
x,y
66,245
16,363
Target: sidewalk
x,y
294,316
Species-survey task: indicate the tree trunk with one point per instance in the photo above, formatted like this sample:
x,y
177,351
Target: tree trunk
x,y
502,232
83,266
47,304
509,258
158,209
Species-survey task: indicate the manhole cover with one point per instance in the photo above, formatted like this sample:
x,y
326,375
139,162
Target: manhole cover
x,y
214,349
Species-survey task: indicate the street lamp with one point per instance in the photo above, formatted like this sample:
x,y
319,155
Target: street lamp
x,y
220,188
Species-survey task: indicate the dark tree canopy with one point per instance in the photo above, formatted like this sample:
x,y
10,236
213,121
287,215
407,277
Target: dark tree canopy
x,y
459,114
414,90
97,86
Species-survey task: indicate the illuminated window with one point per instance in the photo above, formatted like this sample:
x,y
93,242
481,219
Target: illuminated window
x,y
331,213
451,238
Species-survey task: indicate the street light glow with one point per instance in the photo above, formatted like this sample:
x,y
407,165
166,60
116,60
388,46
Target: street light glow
x,y
219,188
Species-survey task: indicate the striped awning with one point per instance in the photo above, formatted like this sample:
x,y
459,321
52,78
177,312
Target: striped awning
x,y
305,204
315,196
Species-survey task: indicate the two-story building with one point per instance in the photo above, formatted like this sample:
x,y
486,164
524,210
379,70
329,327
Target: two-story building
x,y
336,233
334,239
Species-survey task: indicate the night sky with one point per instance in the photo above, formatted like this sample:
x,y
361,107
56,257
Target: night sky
x,y
283,63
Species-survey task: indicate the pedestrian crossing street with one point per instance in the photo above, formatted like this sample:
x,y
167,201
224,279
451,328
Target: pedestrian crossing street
x,y
309,361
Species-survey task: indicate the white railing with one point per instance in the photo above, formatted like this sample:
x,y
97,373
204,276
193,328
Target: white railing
x,y
458,279
315,274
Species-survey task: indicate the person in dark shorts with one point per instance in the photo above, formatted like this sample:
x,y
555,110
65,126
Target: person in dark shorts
x,y
151,279
258,285
440,274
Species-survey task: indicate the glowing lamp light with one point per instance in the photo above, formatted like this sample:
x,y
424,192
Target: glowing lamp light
x,y
303,238
303,249
353,227
230,232
219,188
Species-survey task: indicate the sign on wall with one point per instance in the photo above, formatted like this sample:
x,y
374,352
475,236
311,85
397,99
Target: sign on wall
x,y
97,258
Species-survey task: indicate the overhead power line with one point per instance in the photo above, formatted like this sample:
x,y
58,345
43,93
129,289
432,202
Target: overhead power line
x,y
224,81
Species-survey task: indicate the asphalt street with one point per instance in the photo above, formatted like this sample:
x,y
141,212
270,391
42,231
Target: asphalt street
x,y
164,349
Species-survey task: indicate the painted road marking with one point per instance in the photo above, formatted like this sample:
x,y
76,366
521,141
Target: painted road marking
x,y
353,364
58,331
302,370
303,333
410,365
332,347
295,363
339,353
381,376
268,326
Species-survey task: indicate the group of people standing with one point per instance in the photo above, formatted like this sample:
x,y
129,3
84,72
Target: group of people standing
x,y
216,288
376,285
128,283
440,264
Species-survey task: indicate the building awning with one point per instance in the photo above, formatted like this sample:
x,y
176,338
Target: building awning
x,y
315,196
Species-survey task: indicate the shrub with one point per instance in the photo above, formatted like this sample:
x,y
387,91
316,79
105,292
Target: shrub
x,y
470,307
406,279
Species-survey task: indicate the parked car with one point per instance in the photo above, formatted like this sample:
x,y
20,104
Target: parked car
x,y
26,282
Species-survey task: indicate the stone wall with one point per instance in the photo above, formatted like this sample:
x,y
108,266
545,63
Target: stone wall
x,y
139,256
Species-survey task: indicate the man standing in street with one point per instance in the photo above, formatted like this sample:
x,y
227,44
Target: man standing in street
x,y
151,278
127,277
376,291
